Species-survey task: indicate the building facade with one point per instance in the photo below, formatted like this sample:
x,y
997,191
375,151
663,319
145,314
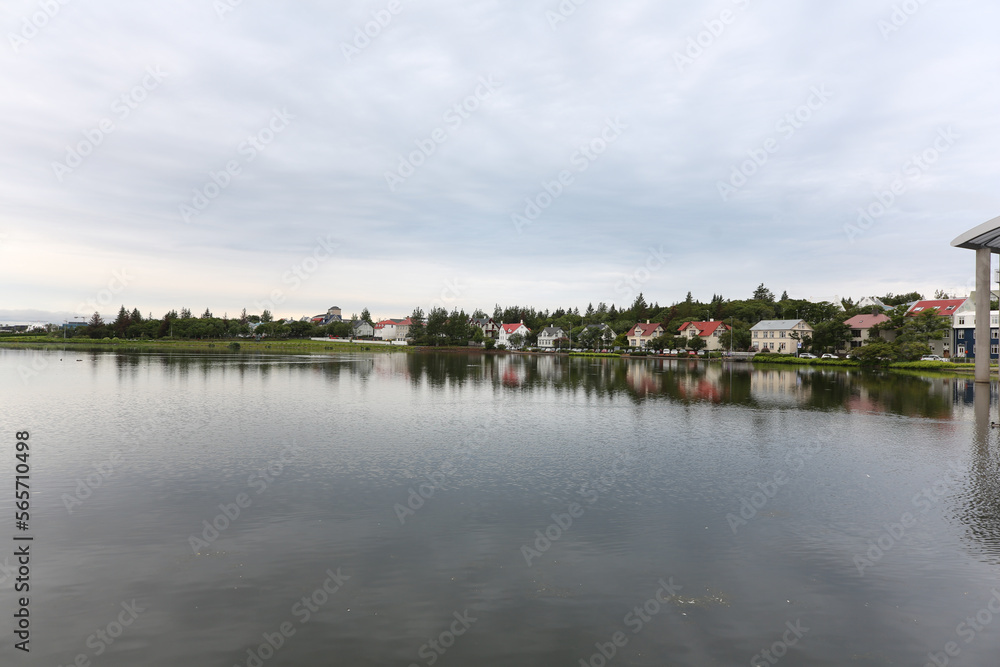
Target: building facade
x,y
779,336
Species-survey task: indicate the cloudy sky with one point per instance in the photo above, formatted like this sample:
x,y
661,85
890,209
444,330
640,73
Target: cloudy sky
x,y
394,153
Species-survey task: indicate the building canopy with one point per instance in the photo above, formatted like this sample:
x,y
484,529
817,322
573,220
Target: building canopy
x,y
986,235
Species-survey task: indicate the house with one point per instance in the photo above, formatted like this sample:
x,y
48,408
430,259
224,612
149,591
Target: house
x,y
861,325
490,328
871,303
963,334
641,334
945,308
508,330
361,329
331,315
392,329
550,337
779,336
710,332
599,333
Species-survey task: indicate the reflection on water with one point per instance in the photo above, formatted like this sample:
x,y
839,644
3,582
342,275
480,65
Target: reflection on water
x,y
425,476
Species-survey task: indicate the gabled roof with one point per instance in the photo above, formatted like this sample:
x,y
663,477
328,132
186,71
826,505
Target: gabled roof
x,y
399,323
704,328
775,324
943,306
866,321
553,332
645,329
511,328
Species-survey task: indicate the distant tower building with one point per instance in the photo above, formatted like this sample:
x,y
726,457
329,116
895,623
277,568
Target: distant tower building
x,y
333,314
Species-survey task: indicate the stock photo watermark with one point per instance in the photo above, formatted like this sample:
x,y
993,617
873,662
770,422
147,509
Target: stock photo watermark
x,y
122,108
454,118
229,513
105,637
631,285
900,16
301,271
249,149
370,30
911,172
303,611
893,532
589,492
635,620
580,161
786,127
438,646
778,650
968,630
751,505
563,11
33,24
704,40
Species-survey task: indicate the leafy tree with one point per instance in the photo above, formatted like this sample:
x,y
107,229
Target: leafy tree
x,y
891,299
741,338
763,294
696,343
912,350
925,327
830,336
515,340
877,353
185,313
784,296
417,329
266,317
366,316
206,315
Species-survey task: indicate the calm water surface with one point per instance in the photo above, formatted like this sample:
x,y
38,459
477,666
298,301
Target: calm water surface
x,y
463,509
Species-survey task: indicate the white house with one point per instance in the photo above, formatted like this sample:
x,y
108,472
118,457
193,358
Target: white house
x,y
361,329
548,336
508,330
779,336
392,329
710,332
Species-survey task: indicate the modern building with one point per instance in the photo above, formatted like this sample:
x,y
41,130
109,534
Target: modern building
x,y
710,332
963,334
779,336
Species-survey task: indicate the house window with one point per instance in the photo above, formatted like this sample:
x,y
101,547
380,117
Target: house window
x,y
994,349
855,333
782,335
961,320
994,333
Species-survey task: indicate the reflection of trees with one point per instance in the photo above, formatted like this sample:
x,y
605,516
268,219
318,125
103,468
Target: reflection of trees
x,y
637,379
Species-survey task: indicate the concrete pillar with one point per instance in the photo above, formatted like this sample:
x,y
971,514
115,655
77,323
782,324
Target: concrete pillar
x,y
982,349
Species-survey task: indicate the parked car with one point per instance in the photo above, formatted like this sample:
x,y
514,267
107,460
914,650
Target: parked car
x,y
931,357
829,356
806,355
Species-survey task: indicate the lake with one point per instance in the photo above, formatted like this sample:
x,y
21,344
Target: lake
x,y
470,509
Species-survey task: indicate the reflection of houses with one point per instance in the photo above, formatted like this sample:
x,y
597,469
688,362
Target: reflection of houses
x,y
705,385
489,327
641,379
641,334
512,369
783,386
942,307
392,329
549,337
860,326
964,333
710,332
779,336
508,330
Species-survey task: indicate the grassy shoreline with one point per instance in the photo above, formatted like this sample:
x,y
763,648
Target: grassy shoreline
x,y
295,346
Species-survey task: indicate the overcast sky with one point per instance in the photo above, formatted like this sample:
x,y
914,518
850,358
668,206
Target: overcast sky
x,y
389,154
